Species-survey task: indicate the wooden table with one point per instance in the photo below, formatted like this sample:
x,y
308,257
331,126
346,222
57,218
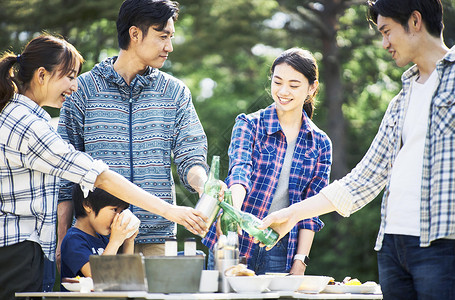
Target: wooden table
x,y
195,296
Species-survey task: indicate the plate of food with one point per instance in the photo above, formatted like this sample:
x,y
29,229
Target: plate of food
x,y
244,280
352,286
72,284
78,284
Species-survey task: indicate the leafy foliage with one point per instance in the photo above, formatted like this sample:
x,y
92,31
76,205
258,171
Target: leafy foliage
x,y
223,51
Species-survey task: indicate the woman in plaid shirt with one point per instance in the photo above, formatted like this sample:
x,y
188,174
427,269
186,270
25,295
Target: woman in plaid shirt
x,y
33,157
279,157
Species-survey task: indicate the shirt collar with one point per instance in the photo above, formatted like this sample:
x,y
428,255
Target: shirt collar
x,y
414,70
32,105
450,56
272,124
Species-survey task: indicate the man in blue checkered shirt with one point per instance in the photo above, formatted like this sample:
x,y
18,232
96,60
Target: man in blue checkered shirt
x,y
412,157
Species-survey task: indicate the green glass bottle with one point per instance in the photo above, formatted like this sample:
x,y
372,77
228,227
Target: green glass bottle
x,y
212,186
208,203
227,222
250,224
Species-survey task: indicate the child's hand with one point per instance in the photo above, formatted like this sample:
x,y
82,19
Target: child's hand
x,y
128,245
119,231
131,238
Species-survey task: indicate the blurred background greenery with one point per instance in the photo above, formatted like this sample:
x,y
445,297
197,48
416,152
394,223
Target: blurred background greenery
x,y
223,51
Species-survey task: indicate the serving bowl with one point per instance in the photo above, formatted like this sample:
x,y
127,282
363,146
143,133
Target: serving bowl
x,y
249,284
85,285
313,283
283,282
72,286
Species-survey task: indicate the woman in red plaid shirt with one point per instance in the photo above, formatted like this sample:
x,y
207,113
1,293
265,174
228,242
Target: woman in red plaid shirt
x,y
278,157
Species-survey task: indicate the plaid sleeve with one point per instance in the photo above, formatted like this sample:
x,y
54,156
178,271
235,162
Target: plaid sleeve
x,y
240,153
369,177
49,154
318,181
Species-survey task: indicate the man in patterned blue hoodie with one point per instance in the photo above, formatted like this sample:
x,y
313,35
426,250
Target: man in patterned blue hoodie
x,y
138,119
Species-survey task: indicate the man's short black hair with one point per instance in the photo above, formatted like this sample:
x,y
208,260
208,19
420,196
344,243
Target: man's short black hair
x,y
143,14
96,200
400,11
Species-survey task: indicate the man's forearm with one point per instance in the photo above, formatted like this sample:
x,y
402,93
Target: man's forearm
x,y
65,218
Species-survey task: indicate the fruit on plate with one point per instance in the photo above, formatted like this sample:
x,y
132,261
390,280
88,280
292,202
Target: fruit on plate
x,y
72,279
354,281
239,270
346,281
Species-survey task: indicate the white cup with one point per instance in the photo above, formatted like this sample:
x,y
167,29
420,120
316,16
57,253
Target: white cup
x,y
133,223
209,281
86,284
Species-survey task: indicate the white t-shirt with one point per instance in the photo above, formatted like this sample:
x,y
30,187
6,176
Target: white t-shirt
x,y
403,203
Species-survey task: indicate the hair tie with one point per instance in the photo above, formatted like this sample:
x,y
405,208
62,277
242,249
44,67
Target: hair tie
x,y
18,58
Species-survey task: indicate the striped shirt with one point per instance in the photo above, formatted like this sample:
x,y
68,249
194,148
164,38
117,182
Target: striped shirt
x,y
33,158
138,130
372,174
256,155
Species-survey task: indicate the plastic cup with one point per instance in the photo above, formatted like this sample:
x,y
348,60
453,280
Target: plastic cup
x,y
133,223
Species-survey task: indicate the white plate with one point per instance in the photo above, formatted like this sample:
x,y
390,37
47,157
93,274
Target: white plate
x,y
353,289
72,286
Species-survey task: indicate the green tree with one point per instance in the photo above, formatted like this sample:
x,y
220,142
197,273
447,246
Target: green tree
x,y
223,52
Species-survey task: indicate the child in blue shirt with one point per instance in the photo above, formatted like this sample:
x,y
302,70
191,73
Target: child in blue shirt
x,y
98,230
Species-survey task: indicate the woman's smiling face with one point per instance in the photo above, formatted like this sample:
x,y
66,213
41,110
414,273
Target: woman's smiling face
x,y
290,88
57,87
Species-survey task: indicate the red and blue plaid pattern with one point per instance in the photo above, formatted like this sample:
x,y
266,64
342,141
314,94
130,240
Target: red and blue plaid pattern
x,y
256,155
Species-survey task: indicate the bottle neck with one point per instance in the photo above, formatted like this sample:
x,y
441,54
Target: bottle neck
x,y
231,210
212,185
214,173
228,199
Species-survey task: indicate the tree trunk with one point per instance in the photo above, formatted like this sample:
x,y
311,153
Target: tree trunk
x,y
334,89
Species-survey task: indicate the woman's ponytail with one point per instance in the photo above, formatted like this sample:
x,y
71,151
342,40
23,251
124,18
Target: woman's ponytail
x,y
8,83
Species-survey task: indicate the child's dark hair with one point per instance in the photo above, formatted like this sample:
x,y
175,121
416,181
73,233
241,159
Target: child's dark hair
x,y
96,200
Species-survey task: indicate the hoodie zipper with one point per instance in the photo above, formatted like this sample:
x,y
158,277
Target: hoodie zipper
x,y
131,131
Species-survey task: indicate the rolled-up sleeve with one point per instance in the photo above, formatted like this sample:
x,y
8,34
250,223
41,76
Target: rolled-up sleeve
x,y
48,153
190,141
369,177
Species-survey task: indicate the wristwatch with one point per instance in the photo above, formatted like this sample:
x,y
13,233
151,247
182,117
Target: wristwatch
x,y
303,258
